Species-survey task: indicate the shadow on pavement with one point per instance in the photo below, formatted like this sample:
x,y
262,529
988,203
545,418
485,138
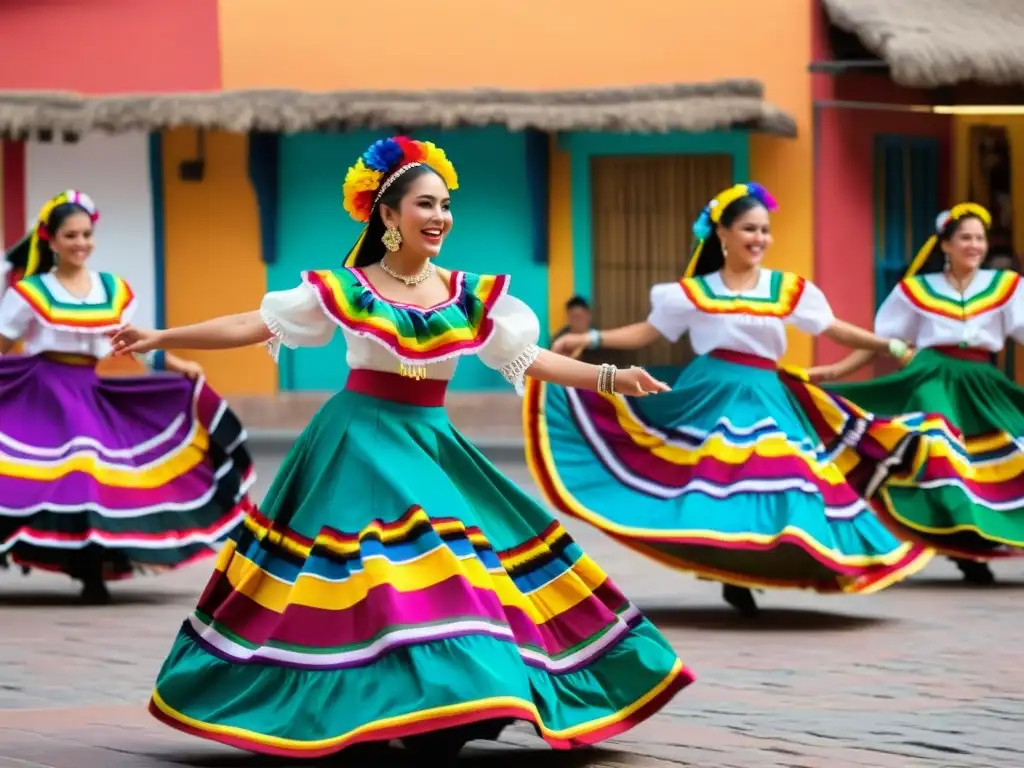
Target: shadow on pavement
x,y
769,620
70,599
496,756
954,583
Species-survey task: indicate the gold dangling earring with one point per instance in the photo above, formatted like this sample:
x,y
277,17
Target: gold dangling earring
x,y
392,239
946,268
725,251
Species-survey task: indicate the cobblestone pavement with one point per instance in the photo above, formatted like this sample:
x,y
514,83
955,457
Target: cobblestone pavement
x,y
929,673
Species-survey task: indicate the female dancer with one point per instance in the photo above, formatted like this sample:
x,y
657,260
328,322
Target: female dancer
x,y
742,474
100,478
966,502
395,584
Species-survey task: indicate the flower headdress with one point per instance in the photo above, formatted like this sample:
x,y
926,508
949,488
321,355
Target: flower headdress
x,y
378,168
30,254
712,214
943,220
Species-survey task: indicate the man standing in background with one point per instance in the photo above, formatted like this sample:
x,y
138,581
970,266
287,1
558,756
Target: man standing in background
x,y
578,320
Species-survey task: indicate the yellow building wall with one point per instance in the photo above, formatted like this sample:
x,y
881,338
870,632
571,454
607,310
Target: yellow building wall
x,y
560,271
212,253
1014,125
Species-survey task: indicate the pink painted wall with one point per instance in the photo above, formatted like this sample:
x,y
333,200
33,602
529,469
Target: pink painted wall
x,y
844,197
110,46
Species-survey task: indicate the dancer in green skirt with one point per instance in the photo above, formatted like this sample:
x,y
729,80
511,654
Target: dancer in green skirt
x,y
395,584
965,498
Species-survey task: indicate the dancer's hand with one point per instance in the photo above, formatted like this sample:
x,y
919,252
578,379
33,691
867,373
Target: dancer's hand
x,y
130,340
821,373
571,344
188,368
636,382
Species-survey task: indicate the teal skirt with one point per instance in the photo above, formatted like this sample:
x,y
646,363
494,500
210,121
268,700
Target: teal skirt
x,y
395,583
742,474
965,494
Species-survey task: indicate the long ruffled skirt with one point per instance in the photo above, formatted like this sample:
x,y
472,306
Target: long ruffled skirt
x,y
124,474
395,584
966,497
741,474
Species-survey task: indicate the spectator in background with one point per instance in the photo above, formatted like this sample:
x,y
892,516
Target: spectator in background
x,y
578,319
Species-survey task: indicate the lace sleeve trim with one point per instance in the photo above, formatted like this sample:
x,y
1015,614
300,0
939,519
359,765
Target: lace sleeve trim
x,y
273,343
515,371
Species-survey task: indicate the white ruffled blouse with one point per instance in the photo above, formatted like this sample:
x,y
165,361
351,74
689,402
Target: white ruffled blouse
x,y
479,317
927,311
752,321
47,317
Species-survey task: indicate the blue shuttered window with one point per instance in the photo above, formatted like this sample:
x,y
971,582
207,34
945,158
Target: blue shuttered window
x,y
906,204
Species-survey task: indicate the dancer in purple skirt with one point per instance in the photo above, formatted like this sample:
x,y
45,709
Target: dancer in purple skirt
x,y
102,477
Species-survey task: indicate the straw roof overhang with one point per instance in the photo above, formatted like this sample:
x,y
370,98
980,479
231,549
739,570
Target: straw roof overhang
x,y
939,42
658,108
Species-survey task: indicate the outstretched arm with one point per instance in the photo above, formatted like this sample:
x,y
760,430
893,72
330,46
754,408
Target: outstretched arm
x,y
567,372
635,336
851,336
866,345
226,332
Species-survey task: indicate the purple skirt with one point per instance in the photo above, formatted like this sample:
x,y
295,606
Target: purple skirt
x,y
153,471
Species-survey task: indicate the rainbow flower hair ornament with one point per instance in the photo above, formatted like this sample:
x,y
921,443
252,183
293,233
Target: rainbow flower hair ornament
x,y
379,166
39,234
957,212
712,214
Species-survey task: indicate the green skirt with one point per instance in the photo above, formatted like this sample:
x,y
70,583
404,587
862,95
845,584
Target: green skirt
x,y
965,494
396,584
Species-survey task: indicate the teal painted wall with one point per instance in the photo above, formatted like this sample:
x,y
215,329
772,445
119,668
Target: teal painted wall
x,y
491,233
585,145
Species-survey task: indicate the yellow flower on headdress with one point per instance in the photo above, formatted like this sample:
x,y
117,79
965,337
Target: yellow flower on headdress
x,y
361,184
382,161
435,157
725,198
961,210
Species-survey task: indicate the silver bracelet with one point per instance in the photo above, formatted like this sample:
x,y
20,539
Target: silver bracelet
x,y
606,379
595,338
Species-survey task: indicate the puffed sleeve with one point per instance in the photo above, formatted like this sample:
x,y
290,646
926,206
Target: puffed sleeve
x,y
1015,314
15,315
671,311
897,318
129,312
296,319
812,313
512,347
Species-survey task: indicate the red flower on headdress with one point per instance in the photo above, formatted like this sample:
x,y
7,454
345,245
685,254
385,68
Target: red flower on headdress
x,y
412,152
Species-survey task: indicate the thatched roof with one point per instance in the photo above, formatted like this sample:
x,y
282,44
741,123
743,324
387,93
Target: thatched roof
x,y
696,107
933,43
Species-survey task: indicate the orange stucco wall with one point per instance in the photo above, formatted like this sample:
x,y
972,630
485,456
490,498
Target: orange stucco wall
x,y
212,253
327,45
